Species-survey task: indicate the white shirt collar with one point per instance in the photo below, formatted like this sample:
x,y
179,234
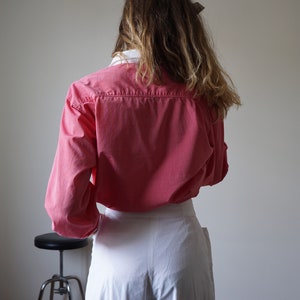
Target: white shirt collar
x,y
128,56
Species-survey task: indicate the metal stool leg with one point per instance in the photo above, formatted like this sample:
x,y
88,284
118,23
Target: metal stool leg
x,y
52,286
43,286
79,284
42,290
69,291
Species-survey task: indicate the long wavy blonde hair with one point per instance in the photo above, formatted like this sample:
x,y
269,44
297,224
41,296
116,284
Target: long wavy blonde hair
x,y
170,35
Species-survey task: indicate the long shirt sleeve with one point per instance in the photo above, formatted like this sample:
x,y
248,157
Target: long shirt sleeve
x,y
70,197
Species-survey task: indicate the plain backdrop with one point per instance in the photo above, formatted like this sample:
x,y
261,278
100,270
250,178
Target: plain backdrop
x,y
252,216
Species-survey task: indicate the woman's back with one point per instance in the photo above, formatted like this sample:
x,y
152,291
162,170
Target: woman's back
x,y
150,144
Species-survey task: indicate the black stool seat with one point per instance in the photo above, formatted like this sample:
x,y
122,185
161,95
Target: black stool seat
x,y
53,241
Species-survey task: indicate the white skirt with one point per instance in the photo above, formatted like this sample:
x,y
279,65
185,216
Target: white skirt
x,y
163,254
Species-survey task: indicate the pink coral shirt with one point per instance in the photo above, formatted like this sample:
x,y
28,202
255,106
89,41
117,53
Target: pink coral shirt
x,y
130,147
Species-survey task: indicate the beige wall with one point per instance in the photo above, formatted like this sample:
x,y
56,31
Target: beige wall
x,y
253,216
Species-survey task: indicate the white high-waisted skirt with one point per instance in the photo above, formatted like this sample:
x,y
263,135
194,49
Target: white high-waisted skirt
x,y
163,254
